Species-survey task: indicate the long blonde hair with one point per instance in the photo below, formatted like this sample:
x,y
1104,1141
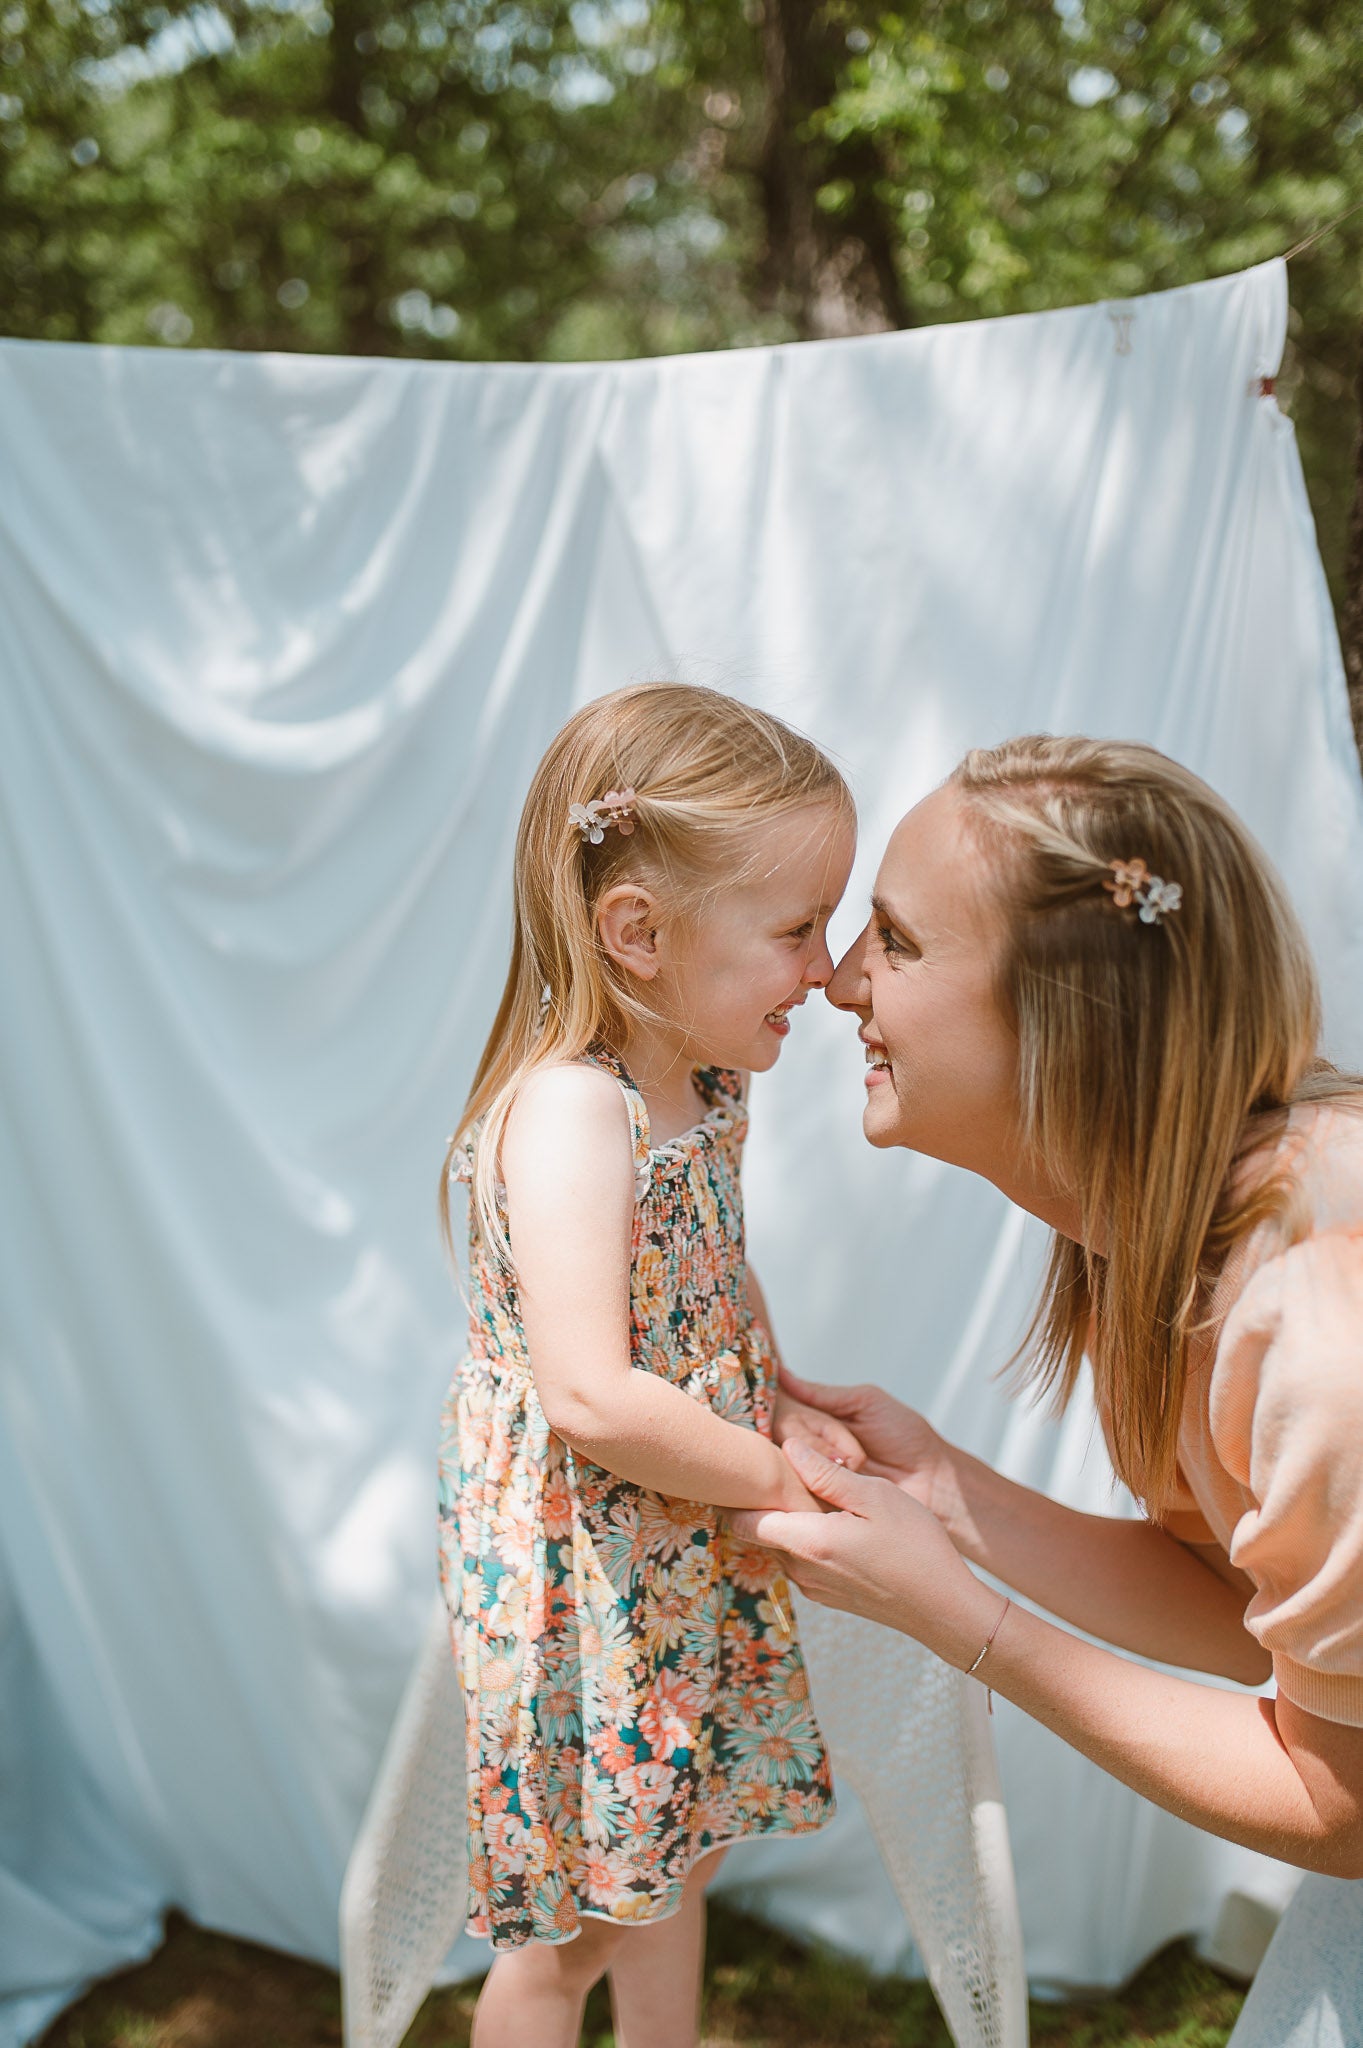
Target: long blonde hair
x,y
704,769
1154,1058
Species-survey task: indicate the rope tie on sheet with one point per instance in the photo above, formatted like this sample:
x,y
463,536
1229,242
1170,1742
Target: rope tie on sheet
x,y
1328,229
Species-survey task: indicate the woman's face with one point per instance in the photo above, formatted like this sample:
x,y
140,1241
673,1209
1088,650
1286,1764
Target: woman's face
x,y
943,1071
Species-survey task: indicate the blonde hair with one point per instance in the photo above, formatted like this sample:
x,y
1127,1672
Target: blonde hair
x,y
1154,1058
704,769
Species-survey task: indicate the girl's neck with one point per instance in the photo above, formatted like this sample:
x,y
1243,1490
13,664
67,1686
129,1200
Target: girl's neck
x,y
659,1061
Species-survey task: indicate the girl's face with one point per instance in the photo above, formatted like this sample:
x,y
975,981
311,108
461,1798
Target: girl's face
x,y
760,945
942,1072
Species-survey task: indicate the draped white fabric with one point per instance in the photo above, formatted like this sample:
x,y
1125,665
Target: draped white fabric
x,y
281,642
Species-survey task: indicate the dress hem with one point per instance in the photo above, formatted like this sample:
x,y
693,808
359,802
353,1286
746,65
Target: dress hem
x,y
612,1920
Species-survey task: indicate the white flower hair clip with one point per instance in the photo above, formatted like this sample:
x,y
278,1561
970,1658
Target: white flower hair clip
x,y
594,819
1132,882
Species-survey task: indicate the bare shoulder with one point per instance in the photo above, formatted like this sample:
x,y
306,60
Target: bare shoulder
x,y
570,1111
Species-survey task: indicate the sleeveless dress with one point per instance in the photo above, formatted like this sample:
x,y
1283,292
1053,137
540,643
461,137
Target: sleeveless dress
x,y
634,1693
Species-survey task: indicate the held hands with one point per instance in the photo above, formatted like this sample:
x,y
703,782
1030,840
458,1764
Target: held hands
x,y
880,1554
797,1421
893,1442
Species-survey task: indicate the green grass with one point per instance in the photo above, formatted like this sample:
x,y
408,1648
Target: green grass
x,y
205,1990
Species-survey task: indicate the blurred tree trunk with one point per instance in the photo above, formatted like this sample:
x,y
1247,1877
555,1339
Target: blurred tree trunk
x,y
832,269
1351,622
362,330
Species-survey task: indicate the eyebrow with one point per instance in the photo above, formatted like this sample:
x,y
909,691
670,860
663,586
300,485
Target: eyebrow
x,y
891,916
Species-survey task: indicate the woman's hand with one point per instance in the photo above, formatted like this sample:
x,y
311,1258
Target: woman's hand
x,y
897,1443
879,1553
792,1420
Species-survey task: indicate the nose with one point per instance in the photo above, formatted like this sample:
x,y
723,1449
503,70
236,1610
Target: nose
x,y
848,987
818,971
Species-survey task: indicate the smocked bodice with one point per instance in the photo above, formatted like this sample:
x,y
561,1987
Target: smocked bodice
x,y
688,1282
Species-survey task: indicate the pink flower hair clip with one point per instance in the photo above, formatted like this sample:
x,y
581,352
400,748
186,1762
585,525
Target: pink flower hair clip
x,y
1132,882
594,819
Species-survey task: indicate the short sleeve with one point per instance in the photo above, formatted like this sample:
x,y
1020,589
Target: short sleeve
x,y
1287,1423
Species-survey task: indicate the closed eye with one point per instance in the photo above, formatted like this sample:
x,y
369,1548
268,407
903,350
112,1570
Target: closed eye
x,y
893,945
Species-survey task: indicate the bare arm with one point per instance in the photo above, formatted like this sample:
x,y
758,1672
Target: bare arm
x,y
1128,1583
567,1165
1259,1772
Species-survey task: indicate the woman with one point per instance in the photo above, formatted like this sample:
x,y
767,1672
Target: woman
x,y
1082,981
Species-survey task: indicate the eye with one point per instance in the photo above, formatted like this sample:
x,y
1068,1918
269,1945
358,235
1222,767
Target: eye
x,y
890,944
802,931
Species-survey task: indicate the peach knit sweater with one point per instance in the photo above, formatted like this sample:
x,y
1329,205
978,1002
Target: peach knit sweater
x,y
1271,1436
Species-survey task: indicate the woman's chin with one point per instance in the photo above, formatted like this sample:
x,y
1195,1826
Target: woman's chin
x,y
880,1117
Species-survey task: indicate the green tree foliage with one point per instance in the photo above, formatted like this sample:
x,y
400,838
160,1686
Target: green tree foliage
x,y
1038,155
567,178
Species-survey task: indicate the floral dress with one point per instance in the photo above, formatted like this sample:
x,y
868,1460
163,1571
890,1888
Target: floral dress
x,y
634,1693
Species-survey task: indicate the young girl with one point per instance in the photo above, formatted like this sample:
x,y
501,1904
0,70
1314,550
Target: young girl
x,y
635,1692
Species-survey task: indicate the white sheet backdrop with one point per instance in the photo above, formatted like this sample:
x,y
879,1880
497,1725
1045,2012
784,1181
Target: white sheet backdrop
x,y
281,641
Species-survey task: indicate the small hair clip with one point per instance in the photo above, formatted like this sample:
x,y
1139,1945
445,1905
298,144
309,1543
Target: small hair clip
x,y
593,819
1129,877
1132,882
1160,898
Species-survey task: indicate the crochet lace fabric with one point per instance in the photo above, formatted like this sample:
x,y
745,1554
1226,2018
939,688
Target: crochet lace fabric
x,y
908,1734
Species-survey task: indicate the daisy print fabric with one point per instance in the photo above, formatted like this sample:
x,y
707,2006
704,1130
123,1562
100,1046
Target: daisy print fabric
x,y
634,1694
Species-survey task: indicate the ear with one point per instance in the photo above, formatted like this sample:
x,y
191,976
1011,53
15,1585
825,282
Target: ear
x,y
627,919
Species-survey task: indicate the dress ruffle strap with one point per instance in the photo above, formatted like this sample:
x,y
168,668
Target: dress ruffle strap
x,y
600,1056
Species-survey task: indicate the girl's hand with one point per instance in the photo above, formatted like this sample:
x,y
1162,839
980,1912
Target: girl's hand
x,y
897,1442
795,1499
792,1419
879,1553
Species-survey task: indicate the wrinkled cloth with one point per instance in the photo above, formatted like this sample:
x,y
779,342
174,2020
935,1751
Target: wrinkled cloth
x,y
1308,1991
282,639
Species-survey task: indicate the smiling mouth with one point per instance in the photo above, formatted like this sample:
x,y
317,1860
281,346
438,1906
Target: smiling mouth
x,y
877,1059
781,1014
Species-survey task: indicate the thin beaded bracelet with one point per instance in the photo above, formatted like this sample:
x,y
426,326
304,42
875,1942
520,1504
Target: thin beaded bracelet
x,y
988,1644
